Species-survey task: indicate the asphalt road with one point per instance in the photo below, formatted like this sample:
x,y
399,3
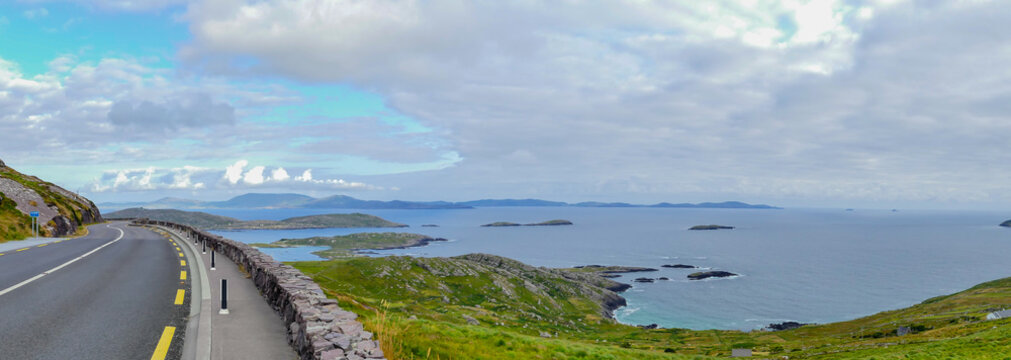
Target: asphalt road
x,y
114,303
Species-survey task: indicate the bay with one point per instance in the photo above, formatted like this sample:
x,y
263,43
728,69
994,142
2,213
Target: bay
x,y
805,265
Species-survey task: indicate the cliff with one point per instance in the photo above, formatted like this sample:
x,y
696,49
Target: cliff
x,y
61,212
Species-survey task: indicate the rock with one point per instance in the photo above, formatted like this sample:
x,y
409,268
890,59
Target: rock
x,y
1006,223
471,320
649,327
663,278
710,227
545,334
708,274
335,354
429,225
678,266
643,280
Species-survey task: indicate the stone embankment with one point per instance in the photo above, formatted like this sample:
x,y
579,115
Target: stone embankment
x,y
317,327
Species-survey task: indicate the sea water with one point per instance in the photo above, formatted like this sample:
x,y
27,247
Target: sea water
x,y
805,265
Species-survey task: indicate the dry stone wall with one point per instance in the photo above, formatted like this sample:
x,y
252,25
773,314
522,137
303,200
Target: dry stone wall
x,y
317,327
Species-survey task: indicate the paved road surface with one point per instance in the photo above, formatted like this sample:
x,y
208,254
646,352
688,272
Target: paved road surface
x,y
115,303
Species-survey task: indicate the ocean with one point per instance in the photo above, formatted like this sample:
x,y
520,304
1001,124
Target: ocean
x,y
804,265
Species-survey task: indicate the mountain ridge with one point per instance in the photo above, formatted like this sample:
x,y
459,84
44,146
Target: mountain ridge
x,y
295,201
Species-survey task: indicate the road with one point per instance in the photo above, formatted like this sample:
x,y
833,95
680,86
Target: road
x,y
117,302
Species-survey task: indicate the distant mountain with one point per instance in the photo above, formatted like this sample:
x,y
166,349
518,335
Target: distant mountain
x,y
210,221
298,201
347,202
511,202
259,201
721,205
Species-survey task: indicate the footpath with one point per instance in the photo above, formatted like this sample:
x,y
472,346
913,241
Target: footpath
x,y
249,330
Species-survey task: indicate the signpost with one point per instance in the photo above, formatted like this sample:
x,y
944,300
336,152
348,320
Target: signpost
x,y
35,223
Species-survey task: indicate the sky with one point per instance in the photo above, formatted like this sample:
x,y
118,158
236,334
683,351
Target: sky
x,y
878,104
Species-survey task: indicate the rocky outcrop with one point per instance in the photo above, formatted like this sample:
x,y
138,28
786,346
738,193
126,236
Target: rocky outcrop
x,y
708,274
317,327
711,227
61,212
678,266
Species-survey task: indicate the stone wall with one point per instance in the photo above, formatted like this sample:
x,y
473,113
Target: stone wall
x,y
317,327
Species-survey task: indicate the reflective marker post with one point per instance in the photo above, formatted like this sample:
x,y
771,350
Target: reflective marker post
x,y
224,297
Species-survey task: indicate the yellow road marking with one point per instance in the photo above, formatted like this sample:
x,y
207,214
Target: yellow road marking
x,y
179,296
163,344
42,245
180,254
178,249
182,275
1,254
182,262
23,249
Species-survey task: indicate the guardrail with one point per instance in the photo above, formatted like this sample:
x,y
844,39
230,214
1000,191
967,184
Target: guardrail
x,y
317,327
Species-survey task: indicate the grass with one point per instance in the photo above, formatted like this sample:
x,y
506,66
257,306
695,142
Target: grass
x,y
455,308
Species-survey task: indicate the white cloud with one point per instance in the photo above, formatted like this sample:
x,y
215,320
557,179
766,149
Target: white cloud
x,y
198,178
36,13
254,176
279,175
233,173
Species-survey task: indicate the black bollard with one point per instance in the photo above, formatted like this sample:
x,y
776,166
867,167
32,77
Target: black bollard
x,y
212,259
204,246
224,297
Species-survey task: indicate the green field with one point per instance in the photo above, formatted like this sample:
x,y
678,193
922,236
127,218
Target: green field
x,y
487,307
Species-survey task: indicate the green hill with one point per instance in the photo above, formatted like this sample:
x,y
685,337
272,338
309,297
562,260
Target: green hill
x,y
487,307
61,212
210,221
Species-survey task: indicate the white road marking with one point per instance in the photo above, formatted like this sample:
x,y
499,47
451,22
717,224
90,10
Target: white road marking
x,y
50,271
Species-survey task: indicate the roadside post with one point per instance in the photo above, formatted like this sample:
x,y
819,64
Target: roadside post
x,y
35,224
224,297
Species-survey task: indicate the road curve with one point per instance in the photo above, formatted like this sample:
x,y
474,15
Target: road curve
x,y
114,303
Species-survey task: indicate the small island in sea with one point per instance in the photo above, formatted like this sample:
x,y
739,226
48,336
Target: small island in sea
x,y
708,274
543,223
349,245
678,266
1006,223
711,227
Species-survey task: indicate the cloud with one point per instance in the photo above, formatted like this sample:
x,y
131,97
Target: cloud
x,y
233,177
807,98
36,13
190,110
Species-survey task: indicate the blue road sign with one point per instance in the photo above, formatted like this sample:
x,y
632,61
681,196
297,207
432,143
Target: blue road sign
x,y
35,214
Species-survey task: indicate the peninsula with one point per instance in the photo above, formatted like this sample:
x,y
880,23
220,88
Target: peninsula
x,y
349,245
215,222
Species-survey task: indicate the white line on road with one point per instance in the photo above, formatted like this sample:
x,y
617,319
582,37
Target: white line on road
x,y
50,271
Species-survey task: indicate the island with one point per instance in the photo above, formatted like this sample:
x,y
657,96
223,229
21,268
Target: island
x,y
543,223
643,280
429,225
1006,223
708,274
678,266
711,227
216,222
349,245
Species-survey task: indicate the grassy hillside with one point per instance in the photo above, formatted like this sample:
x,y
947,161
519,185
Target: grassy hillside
x,y
209,221
64,212
344,245
487,307
192,218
